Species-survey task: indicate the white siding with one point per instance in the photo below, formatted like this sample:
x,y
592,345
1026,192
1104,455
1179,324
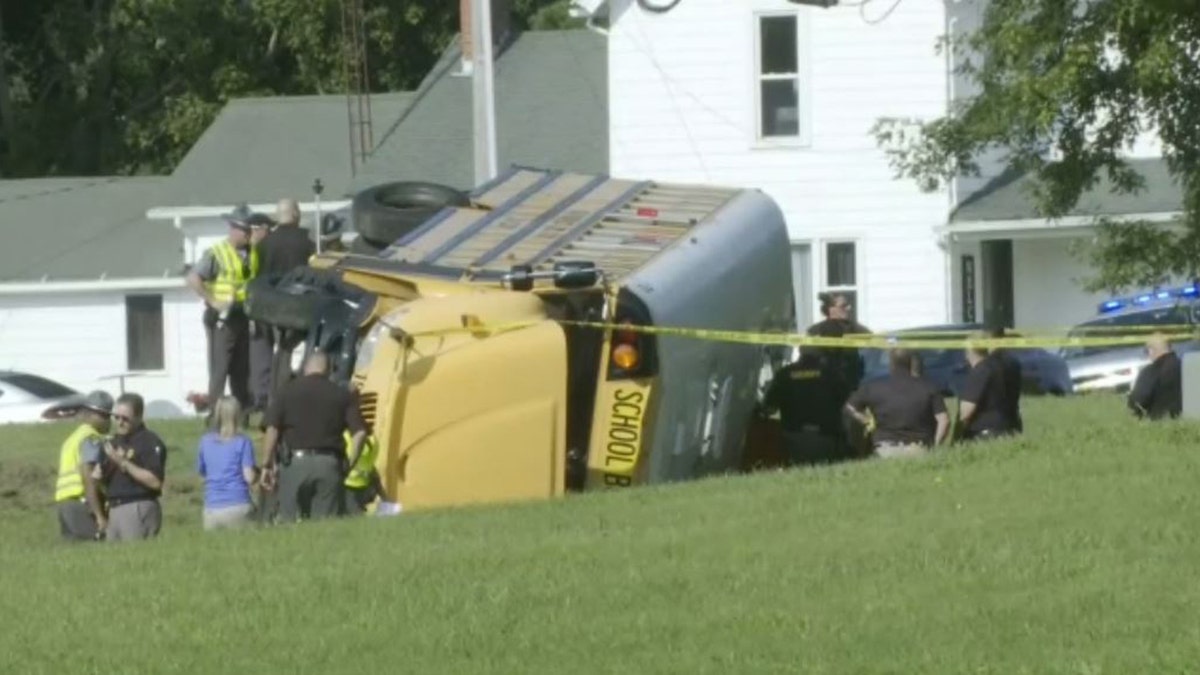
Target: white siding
x,y
682,107
78,338
1047,290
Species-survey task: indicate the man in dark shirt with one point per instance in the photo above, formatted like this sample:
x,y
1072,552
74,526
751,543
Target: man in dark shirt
x,y
1010,369
310,416
910,414
287,247
982,411
1158,390
133,472
810,415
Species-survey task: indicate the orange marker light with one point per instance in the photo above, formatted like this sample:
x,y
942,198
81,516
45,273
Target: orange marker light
x,y
625,357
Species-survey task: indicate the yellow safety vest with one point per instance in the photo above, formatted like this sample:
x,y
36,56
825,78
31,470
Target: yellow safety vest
x,y
232,275
70,483
360,474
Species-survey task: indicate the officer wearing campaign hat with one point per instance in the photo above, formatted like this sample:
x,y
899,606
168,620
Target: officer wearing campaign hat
x,y
81,515
220,279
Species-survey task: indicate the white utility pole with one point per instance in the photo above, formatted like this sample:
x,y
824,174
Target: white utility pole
x,y
483,91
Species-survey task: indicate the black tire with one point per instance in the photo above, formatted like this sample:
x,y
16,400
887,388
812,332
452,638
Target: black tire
x,y
385,213
363,246
292,300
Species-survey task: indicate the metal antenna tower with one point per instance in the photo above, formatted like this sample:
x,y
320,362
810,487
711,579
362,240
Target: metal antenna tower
x,y
358,87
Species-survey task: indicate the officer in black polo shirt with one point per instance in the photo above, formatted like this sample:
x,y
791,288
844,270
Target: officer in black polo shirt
x,y
910,414
1158,391
804,393
1010,371
983,403
133,471
310,416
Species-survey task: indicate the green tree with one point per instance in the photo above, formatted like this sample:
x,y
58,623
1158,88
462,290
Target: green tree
x,y
1086,77
127,86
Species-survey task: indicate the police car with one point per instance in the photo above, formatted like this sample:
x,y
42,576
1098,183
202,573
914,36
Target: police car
x,y
1115,367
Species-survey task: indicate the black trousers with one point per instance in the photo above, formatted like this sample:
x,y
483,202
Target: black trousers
x,y
228,357
262,354
284,343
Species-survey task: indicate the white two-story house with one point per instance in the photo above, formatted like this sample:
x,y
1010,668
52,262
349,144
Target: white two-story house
x,y
782,95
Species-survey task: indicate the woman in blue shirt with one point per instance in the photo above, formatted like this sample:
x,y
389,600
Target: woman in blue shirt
x,y
225,461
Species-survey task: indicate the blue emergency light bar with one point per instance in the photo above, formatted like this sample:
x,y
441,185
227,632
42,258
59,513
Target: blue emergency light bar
x,y
1189,291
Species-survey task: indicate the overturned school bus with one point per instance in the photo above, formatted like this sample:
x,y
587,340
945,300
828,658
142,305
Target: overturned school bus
x,y
465,337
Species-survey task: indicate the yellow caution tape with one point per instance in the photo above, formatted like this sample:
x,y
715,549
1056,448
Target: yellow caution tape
x,y
863,341
1072,331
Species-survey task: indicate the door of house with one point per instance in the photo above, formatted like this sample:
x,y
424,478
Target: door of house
x,y
997,284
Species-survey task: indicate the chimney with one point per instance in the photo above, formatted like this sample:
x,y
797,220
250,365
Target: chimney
x,y
501,24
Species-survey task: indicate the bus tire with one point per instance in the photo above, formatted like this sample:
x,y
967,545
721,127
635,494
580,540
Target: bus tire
x,y
384,213
291,300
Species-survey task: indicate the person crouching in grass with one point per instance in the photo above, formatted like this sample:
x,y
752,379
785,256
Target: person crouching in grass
x,y
225,460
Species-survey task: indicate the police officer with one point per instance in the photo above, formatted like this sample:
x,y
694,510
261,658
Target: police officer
x,y
1158,390
134,469
846,363
220,279
983,402
311,417
809,414
909,412
362,482
1010,372
81,514
285,248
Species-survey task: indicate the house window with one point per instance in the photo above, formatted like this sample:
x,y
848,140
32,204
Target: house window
x,y
841,272
144,332
781,77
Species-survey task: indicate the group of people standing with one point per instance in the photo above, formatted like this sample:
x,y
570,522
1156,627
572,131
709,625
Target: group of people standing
x,y
318,455
318,461
109,484
254,359
827,413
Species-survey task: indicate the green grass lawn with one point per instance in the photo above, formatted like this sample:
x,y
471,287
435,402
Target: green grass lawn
x,y
1072,550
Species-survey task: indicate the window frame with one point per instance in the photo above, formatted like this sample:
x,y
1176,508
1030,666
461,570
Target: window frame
x,y
859,282
802,77
162,333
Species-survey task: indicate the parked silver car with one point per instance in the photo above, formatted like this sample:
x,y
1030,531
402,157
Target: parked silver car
x,y
25,397
1116,367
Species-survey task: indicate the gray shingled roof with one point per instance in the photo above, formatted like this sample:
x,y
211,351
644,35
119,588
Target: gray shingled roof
x,y
260,149
551,111
61,229
1007,198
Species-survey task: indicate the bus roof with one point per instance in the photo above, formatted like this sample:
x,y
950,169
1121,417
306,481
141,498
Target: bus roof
x,y
537,217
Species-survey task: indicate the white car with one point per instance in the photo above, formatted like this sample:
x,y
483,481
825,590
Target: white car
x,y
25,398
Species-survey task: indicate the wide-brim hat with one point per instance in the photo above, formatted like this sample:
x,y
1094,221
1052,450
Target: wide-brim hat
x,y
239,217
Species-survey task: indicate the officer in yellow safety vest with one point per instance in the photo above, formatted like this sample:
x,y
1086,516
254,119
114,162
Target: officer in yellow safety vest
x,y
81,515
220,279
362,481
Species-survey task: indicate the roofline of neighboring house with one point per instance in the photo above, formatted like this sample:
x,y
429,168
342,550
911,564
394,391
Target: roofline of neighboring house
x,y
1042,227
91,285
177,213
